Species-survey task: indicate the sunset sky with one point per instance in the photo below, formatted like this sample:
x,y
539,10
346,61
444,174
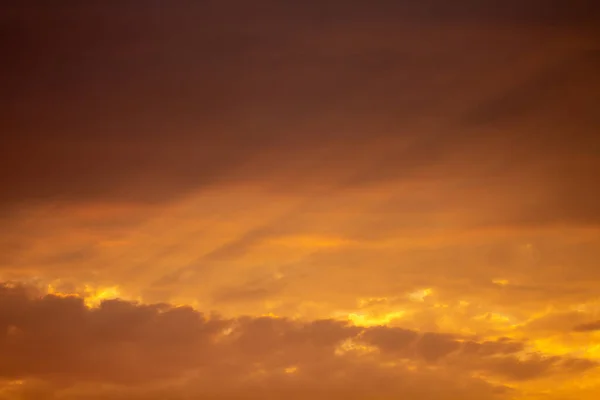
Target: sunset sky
x,y
277,199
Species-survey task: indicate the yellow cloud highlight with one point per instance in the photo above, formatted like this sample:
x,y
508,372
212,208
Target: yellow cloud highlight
x,y
586,347
419,295
51,289
492,317
92,296
270,315
351,346
553,346
365,319
370,301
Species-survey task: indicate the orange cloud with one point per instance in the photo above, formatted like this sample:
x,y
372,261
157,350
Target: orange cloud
x,y
64,344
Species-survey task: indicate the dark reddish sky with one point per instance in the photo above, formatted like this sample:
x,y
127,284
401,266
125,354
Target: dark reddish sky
x,y
308,171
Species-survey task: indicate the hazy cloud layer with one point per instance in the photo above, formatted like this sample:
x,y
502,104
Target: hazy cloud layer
x,y
153,103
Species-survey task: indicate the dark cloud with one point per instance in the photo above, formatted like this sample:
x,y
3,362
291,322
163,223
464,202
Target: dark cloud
x,y
541,89
148,103
533,367
588,327
488,348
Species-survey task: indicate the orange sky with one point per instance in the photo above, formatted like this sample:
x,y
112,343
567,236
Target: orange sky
x,y
324,200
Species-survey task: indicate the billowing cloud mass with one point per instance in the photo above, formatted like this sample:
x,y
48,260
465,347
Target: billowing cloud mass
x,y
126,346
334,199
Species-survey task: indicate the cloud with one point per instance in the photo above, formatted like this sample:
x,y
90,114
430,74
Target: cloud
x,y
532,367
309,161
167,110
500,346
557,322
62,343
588,327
